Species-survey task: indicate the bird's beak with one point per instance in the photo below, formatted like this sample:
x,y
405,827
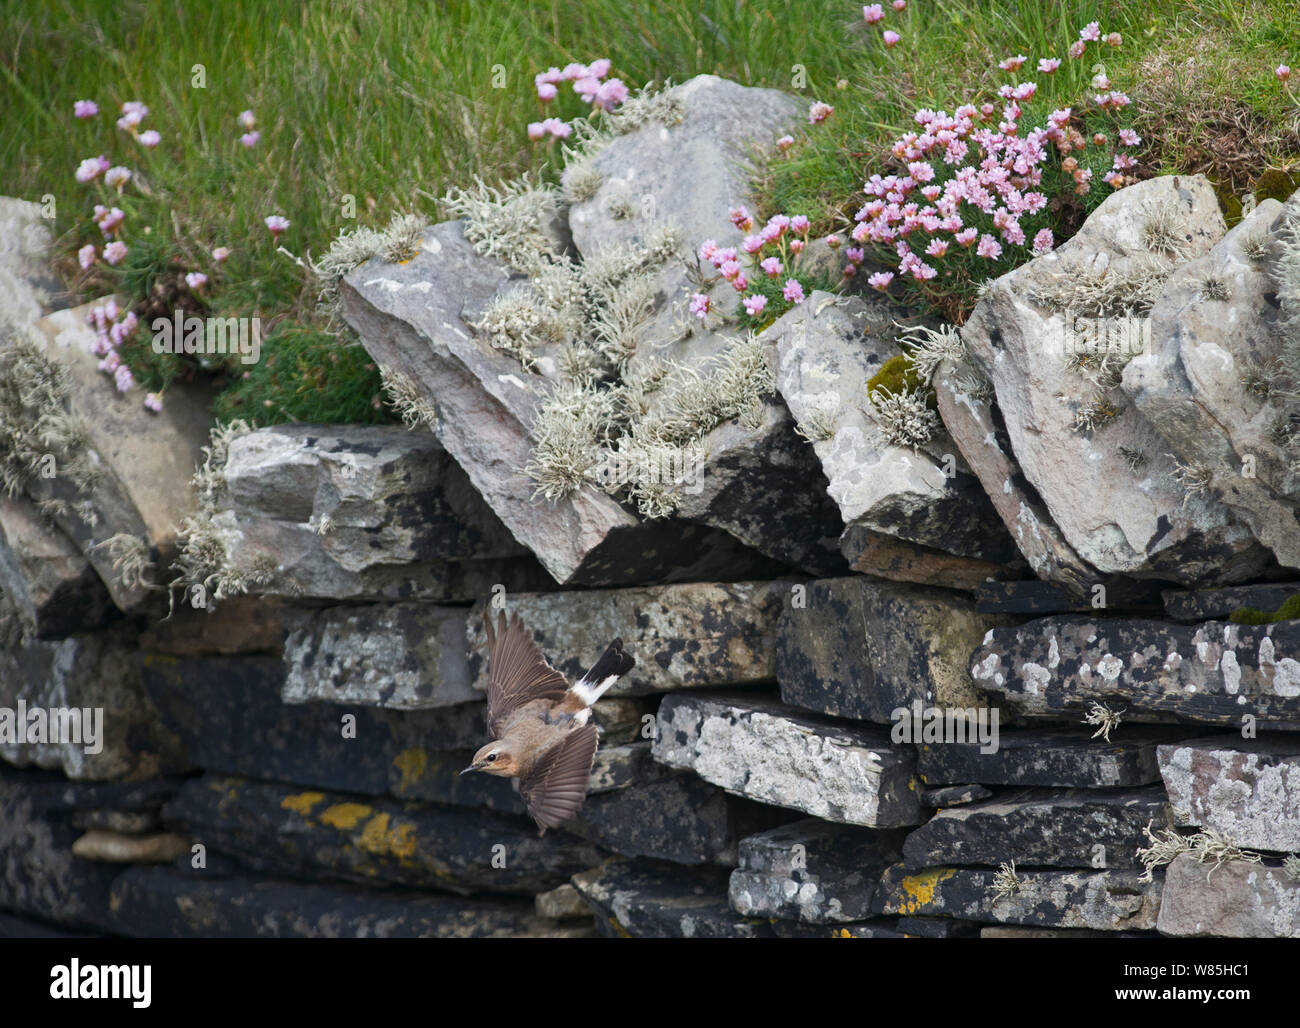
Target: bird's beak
x,y
472,767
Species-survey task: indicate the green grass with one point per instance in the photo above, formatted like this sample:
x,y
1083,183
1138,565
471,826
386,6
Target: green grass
x,y
393,103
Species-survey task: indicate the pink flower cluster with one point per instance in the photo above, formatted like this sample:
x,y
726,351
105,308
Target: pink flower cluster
x,y
875,13
110,334
248,122
772,252
589,83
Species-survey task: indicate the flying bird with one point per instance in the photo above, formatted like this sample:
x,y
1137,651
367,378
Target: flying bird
x,y
539,724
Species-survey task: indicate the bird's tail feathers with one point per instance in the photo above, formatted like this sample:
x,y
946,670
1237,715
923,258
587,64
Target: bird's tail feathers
x,y
612,666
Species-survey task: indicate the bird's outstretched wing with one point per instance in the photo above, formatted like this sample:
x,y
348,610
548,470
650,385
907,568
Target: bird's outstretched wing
x,y
555,788
517,671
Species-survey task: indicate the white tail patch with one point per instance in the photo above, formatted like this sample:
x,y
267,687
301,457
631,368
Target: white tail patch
x,y
589,693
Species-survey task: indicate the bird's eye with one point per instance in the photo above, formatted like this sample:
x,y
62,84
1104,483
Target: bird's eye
x,y
491,757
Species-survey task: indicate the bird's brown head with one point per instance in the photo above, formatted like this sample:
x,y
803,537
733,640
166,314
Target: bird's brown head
x,y
496,758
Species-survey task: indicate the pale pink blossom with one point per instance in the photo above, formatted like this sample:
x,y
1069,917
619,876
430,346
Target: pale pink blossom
x,y
220,254
784,143
85,109
1013,63
149,138
819,112
873,13
793,291
891,37
1047,65
277,223
1077,48
547,90
772,266
1090,33
754,304
700,305
880,280
153,402
610,94
1283,72
196,279
1043,240
122,378
117,177
247,121
115,252
250,139
1128,137
86,256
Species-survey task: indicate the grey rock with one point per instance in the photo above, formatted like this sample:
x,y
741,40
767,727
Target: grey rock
x,y
772,754
1091,829
1111,520
1240,900
146,460
53,587
563,903
812,871
955,795
873,928
1189,386
827,351
112,847
1045,756
1249,789
643,899
362,513
115,731
682,636
406,656
27,287
862,649
1211,673
1108,901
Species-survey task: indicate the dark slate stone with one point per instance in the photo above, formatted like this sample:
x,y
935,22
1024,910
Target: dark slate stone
x,y
1156,671
1046,756
646,899
282,829
1217,604
1107,901
937,928
812,871
873,928
862,648
159,902
955,795
1032,596
1092,828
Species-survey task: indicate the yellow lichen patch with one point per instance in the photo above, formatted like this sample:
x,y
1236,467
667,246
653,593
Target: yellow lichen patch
x,y
345,816
380,839
412,764
302,803
918,890
619,928
843,933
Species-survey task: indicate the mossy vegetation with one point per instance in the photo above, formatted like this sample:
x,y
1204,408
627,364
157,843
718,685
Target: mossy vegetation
x,y
1288,610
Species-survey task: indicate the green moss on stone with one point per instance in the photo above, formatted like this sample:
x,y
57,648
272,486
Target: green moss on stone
x,y
1288,611
897,375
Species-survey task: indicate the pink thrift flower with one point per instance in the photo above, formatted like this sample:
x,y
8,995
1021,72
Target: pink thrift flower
x,y
1114,39
128,122
551,75
220,254
784,143
1047,65
587,87
1077,48
101,346
122,378
1114,179
249,139
752,244
572,72
899,5
799,223
559,129
89,169
891,38
1043,240
109,221
536,131
115,252
112,359
85,109
740,283
796,246
707,249
196,280
86,256
793,291
700,305
819,112
937,247
117,177
153,402
149,138
880,280
855,254
1013,63
741,219
547,90
1129,138
729,269
989,247
1090,33
277,224
834,242
772,267
247,121
599,69
873,14
1283,72
754,305
610,94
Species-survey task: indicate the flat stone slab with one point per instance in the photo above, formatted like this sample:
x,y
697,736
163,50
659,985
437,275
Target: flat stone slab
x,y
27,286
1239,900
288,830
1083,828
1050,757
405,656
1039,598
1249,789
171,904
1219,604
862,649
643,899
685,636
812,871
1109,901
1213,673
773,754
